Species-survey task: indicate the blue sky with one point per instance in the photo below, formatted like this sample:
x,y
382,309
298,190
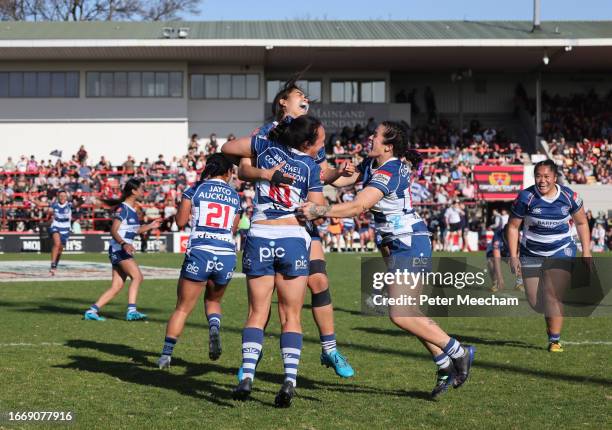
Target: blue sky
x,y
213,10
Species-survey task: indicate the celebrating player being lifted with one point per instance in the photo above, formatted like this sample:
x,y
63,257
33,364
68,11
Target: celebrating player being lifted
x,y
404,235
289,103
276,253
213,209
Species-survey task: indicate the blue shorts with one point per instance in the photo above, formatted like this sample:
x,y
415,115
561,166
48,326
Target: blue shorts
x,y
200,266
411,252
117,257
271,249
532,264
64,234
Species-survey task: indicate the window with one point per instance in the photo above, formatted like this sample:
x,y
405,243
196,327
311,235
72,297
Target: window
x,y
358,92
39,84
134,84
312,89
224,86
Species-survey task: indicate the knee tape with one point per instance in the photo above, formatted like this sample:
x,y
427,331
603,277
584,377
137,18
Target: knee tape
x,y
321,299
317,266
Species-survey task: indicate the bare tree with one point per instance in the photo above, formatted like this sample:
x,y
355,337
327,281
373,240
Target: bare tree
x,y
96,10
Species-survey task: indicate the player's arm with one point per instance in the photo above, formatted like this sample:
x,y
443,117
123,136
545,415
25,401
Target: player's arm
x,y
148,227
512,238
237,149
330,175
236,222
115,234
582,227
183,214
364,200
248,172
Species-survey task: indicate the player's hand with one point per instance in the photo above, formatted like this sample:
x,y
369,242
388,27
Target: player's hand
x,y
347,169
155,224
310,211
587,261
515,265
129,248
276,177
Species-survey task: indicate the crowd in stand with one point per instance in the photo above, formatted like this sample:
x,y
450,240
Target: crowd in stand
x,y
445,191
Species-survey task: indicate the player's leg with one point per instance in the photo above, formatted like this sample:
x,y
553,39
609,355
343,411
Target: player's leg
x,y
222,270
188,292
212,305
323,312
260,289
556,283
55,251
132,269
117,283
290,290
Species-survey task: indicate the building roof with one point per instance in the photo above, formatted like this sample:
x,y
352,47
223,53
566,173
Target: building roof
x,y
329,45
310,30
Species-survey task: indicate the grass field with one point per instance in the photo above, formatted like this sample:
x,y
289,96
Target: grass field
x,y
105,372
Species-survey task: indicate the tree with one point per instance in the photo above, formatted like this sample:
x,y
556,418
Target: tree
x,y
96,10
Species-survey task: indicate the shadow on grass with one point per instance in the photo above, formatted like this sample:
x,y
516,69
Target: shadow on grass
x,y
186,383
464,339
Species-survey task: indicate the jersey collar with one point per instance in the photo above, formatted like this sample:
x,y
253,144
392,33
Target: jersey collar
x,y
374,160
546,199
216,180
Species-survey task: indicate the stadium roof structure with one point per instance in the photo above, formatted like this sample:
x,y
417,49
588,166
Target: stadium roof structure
x,y
400,45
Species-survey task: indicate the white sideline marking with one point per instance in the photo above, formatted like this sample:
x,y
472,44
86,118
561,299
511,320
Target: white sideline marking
x,y
586,342
38,271
2,345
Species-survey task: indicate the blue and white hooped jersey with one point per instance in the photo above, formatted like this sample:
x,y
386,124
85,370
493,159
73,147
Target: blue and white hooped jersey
x,y
265,129
393,214
214,205
546,222
129,225
281,201
62,216
348,223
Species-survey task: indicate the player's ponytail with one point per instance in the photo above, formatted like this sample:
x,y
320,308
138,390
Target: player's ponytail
x,y
416,160
216,165
297,133
128,189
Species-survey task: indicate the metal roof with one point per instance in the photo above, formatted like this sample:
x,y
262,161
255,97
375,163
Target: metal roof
x,y
309,30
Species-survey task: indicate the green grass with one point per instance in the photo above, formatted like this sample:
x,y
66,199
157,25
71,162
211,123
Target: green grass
x,y
106,374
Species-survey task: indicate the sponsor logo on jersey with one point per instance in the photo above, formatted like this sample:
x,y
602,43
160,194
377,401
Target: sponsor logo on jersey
x,y
537,211
568,251
564,210
382,177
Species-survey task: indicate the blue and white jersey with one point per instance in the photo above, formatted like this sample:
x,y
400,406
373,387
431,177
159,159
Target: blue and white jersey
x,y
393,214
62,216
348,223
281,201
129,225
546,222
214,205
265,129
